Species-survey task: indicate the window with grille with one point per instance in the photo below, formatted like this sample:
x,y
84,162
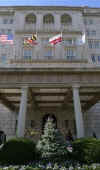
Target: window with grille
x,y
48,19
8,20
66,124
91,33
70,53
30,19
66,19
32,124
94,43
27,53
88,21
95,58
68,42
3,58
48,53
5,21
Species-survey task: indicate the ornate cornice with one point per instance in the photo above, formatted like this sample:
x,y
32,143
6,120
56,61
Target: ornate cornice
x,y
43,8
97,14
87,11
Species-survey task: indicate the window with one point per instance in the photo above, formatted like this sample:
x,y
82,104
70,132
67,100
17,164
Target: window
x,y
48,19
27,54
9,31
48,53
70,53
88,33
5,21
11,21
88,21
90,43
99,58
32,124
69,41
66,19
94,43
91,33
85,21
8,20
95,58
30,19
3,58
3,31
66,124
45,41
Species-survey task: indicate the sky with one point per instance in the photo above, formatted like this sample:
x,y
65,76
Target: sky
x,y
90,3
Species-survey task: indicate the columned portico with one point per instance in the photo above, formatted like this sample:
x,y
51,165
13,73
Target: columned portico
x,y
78,112
22,112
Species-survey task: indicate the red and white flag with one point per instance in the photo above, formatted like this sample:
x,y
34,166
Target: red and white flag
x,y
56,39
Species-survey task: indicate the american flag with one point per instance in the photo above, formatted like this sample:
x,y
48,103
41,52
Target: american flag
x,y
4,38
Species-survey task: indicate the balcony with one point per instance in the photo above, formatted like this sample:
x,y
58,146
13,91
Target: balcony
x,y
48,28
70,28
30,27
47,62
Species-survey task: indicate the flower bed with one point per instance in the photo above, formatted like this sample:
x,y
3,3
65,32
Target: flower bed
x,y
49,166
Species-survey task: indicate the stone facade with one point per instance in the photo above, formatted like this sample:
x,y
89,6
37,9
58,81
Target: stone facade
x,y
50,73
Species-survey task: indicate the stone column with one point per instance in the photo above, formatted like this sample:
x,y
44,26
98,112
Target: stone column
x,y
22,112
39,24
57,23
78,113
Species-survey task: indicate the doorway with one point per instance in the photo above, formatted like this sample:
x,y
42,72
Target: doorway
x,y
45,118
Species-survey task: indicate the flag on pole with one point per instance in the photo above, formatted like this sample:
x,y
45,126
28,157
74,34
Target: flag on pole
x,y
56,39
81,40
30,40
6,38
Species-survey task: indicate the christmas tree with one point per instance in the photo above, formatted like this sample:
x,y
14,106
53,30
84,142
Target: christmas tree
x,y
52,145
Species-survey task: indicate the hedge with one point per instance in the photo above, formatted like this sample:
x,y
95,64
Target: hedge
x,y
86,150
18,151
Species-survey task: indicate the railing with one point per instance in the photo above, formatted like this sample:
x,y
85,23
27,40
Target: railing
x,y
30,27
48,27
49,59
70,28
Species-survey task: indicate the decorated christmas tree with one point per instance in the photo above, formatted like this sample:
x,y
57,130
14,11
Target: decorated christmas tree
x,y
52,145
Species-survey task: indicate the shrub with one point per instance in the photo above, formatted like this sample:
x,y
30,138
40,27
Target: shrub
x,y
86,150
18,151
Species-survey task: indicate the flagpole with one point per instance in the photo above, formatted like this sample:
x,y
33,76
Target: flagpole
x,y
54,50
15,51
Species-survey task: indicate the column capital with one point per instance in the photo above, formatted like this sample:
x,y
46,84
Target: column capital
x,y
76,86
24,87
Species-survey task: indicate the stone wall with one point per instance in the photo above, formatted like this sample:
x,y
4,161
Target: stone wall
x,y
65,121
92,121
7,121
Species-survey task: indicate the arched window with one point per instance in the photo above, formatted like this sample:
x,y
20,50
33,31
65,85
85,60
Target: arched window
x,y
66,19
48,19
30,19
